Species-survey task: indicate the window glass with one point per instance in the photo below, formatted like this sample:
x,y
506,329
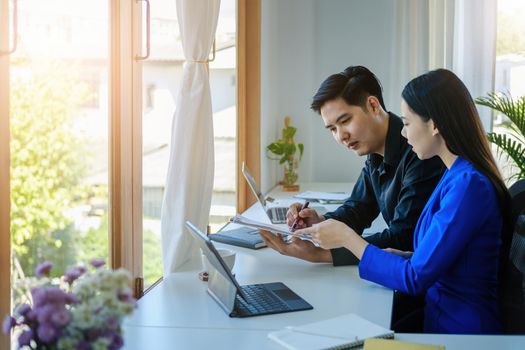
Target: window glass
x,y
59,137
510,66
161,76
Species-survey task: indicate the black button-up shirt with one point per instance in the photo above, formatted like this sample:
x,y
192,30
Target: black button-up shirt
x,y
397,186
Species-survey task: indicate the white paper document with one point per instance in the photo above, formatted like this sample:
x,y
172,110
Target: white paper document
x,y
341,332
324,197
283,230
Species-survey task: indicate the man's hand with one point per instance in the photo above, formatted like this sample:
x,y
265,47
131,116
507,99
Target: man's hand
x,y
401,253
297,248
305,218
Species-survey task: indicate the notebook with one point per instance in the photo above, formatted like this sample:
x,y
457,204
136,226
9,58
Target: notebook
x,y
384,344
246,237
343,332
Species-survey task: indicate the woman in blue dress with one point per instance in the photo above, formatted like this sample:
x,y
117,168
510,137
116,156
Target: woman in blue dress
x,y
458,238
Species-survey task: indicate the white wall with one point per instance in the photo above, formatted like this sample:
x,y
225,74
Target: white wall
x,y
302,42
287,63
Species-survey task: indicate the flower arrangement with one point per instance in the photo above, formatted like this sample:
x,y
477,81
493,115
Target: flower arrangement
x,y
83,310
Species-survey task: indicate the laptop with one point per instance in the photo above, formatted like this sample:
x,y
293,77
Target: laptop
x,y
248,300
277,215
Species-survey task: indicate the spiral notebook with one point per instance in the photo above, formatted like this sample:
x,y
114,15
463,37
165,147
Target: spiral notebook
x,y
343,332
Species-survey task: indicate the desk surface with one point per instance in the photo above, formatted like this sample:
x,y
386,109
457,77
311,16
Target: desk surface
x,y
179,314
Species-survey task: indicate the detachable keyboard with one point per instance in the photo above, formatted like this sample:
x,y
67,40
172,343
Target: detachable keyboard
x,y
261,302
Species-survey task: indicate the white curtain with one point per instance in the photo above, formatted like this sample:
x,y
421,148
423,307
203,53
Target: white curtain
x,y
474,54
189,182
459,35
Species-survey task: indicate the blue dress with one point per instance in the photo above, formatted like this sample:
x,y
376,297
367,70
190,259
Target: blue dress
x,y
456,251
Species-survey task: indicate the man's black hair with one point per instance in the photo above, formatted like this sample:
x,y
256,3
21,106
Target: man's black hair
x,y
353,85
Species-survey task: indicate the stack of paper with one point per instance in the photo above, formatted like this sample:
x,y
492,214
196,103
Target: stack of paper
x,y
341,332
324,197
283,230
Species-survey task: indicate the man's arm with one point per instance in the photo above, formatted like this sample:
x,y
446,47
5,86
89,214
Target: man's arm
x,y
357,212
361,208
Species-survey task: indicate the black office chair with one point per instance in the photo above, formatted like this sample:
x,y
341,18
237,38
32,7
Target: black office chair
x,y
513,279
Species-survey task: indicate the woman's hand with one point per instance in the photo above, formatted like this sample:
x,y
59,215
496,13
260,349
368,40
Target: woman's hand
x,y
331,234
296,247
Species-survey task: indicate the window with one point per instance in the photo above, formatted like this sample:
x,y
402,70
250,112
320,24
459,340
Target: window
x,y
161,75
510,63
59,137
68,83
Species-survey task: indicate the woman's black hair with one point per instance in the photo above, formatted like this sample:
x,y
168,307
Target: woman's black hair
x,y
441,96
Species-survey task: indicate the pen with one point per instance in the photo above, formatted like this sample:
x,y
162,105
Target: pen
x,y
305,205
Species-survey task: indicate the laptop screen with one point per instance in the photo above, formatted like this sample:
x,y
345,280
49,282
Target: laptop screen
x,y
253,185
213,256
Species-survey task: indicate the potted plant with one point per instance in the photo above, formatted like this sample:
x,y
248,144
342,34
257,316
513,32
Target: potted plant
x,y
513,143
285,151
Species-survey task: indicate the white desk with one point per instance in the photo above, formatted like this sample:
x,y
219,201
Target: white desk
x,y
180,302
179,314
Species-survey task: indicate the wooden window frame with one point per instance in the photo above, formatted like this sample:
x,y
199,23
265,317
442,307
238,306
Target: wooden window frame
x,y
125,137
248,97
5,200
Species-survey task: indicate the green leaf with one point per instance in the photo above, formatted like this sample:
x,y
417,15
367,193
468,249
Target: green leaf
x,y
289,132
512,149
514,109
301,149
289,149
276,148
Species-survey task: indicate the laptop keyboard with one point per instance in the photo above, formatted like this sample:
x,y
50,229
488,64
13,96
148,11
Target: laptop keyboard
x,y
280,214
261,301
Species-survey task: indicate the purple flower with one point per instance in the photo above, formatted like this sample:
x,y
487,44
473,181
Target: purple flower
x,y
46,295
117,342
25,338
46,333
96,263
125,296
43,269
91,334
39,296
44,313
113,323
23,309
60,318
83,345
74,273
31,315
8,324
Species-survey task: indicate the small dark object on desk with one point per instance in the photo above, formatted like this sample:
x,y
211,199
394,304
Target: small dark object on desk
x,y
203,276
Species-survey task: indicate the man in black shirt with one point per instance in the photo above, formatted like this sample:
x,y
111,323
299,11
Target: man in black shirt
x,y
393,182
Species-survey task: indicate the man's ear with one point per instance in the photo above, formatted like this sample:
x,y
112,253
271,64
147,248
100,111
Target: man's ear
x,y
373,104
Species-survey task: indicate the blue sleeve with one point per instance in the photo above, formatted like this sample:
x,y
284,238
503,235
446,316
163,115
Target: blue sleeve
x,y
464,203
